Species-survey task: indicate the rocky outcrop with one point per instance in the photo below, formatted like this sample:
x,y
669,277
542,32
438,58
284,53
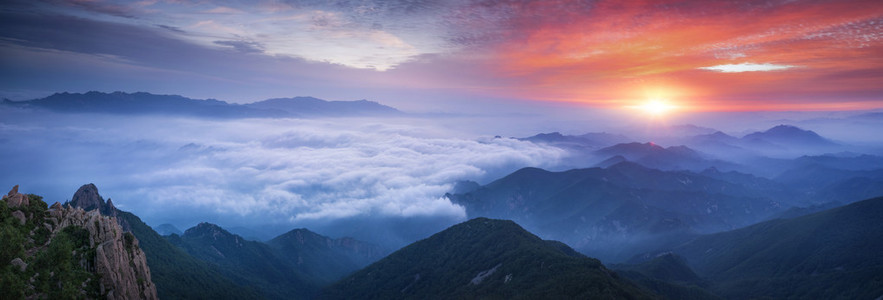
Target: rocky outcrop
x,y
15,199
119,263
88,198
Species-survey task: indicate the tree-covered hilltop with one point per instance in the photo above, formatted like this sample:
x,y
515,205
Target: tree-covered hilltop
x,y
833,254
487,259
63,252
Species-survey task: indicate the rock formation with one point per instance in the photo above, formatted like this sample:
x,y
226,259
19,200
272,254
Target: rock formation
x,y
87,198
118,261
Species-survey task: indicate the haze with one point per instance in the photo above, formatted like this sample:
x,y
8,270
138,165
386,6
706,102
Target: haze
x,y
472,77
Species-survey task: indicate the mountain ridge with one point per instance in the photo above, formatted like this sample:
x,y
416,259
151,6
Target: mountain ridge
x,y
141,103
485,258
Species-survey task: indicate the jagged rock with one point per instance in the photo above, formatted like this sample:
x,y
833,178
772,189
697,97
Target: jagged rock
x,y
119,261
87,198
15,199
20,216
22,266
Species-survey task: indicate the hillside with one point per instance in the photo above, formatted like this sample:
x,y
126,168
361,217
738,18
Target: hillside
x,y
324,259
177,275
64,252
833,254
485,258
248,263
612,213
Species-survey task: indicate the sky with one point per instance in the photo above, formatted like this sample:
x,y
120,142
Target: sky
x,y
428,56
465,71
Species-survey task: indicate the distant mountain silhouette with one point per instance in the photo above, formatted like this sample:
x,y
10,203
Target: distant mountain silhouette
x,y
787,136
655,156
322,258
485,259
588,141
145,103
309,106
626,205
167,229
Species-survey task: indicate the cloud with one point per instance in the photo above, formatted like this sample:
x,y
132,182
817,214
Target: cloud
x,y
747,67
243,46
261,171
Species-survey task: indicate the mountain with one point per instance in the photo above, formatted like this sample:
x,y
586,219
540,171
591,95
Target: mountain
x,y
786,137
141,103
167,229
177,275
249,263
833,254
613,212
485,259
588,141
655,156
667,275
325,259
293,265
309,106
65,252
825,183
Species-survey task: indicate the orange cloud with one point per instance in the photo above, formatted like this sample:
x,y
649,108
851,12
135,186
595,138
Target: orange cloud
x,y
616,53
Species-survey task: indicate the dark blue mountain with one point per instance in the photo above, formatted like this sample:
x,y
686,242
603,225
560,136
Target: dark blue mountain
x,y
485,259
789,137
654,156
309,106
611,213
583,142
167,229
145,103
833,254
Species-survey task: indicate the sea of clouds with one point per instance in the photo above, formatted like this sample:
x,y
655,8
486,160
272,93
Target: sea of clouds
x,y
252,172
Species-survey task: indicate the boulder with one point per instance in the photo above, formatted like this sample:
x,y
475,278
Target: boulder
x,y
22,266
20,216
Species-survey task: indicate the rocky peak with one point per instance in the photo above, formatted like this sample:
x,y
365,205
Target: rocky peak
x,y
207,230
87,198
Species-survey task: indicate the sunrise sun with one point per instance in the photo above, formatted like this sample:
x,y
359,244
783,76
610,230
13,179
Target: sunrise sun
x,y
655,107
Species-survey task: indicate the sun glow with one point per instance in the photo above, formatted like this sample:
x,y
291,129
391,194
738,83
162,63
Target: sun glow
x,y
656,107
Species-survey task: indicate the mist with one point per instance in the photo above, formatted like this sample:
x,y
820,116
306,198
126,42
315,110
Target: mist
x,y
262,173
382,179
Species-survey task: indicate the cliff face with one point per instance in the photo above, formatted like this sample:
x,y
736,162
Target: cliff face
x,y
83,252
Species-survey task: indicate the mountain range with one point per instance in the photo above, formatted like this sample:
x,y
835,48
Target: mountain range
x,y
141,103
295,264
831,254
627,204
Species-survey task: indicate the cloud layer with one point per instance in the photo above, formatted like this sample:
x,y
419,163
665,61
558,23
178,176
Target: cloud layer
x,y
594,53
257,172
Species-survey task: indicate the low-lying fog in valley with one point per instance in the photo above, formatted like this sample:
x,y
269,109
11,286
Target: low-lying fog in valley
x,y
380,179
